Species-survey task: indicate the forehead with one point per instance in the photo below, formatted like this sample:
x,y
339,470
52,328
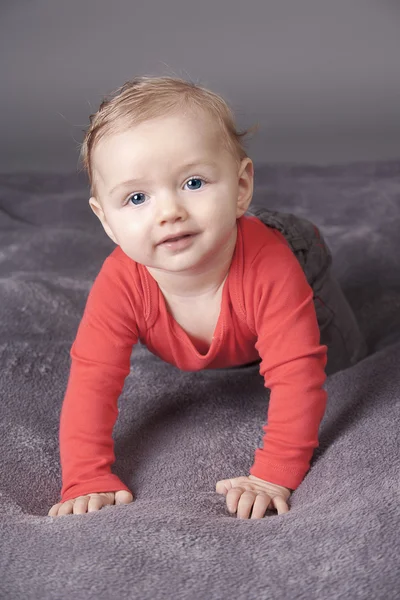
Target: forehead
x,y
165,140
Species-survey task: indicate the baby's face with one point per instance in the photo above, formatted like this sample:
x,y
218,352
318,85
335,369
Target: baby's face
x,y
167,177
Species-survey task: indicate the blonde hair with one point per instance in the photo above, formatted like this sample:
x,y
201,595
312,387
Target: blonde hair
x,y
144,98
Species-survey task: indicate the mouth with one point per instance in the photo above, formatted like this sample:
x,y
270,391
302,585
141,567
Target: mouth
x,y
177,238
179,242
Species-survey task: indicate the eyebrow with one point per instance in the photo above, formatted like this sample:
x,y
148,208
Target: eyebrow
x,y
193,163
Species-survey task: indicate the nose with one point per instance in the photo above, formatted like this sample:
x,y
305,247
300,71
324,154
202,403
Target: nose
x,y
169,208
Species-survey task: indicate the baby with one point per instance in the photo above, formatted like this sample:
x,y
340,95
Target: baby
x,y
170,183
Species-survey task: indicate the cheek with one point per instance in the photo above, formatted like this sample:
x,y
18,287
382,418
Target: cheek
x,y
226,196
220,208
133,233
123,222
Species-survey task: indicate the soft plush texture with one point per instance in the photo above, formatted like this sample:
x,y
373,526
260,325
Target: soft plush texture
x,y
178,433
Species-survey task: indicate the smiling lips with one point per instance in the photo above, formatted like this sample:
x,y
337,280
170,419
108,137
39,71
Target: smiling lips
x,y
179,242
176,237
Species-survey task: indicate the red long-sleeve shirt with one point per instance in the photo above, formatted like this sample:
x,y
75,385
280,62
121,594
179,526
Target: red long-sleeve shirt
x,y
267,312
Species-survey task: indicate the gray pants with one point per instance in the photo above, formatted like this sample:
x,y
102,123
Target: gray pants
x,y
338,326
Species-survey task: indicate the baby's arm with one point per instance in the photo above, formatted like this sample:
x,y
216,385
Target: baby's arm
x,y
280,311
100,364
293,365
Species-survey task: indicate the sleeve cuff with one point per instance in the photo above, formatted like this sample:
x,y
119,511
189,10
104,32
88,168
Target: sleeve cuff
x,y
281,475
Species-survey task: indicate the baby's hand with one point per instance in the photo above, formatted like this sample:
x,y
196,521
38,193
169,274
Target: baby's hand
x,y
89,503
243,493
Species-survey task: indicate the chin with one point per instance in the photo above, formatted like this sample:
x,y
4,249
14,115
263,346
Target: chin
x,y
181,264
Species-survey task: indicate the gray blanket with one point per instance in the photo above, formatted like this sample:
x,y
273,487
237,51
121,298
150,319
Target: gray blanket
x,y
178,433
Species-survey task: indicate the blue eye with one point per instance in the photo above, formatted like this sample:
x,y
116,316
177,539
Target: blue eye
x,y
194,179
140,194
133,195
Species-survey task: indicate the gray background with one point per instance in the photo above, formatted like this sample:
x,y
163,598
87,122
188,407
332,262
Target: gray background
x,y
322,77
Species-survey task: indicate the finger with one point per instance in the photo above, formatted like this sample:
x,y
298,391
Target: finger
x,y
123,497
96,502
280,504
66,507
223,486
246,502
232,498
80,505
54,510
260,505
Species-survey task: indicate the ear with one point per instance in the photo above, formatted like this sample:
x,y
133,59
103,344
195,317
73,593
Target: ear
x,y
245,185
98,211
